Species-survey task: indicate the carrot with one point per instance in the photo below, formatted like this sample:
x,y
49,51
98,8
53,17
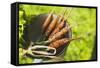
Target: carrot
x,y
58,28
59,34
60,24
47,22
60,18
51,26
59,43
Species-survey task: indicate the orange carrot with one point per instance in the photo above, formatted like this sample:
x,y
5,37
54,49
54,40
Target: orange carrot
x,y
60,18
58,28
47,22
59,34
51,26
59,43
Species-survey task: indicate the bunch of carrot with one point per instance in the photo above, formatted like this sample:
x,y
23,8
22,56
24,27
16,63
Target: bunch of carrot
x,y
55,29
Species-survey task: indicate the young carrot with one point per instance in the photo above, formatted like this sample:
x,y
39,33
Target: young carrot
x,y
59,34
51,26
47,22
58,43
58,28
60,24
60,18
